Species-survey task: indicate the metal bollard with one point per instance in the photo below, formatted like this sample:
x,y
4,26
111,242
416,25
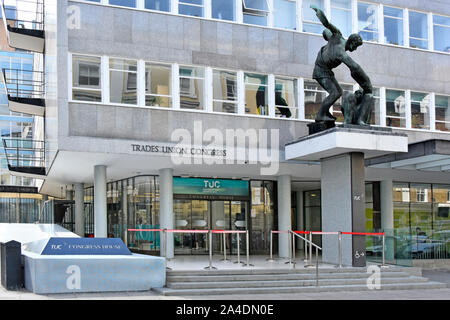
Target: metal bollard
x,y
224,240
210,267
384,251
340,248
271,247
310,248
165,248
248,250
238,248
306,252
317,267
293,249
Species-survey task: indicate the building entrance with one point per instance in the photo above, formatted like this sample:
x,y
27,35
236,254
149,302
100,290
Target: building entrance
x,y
209,215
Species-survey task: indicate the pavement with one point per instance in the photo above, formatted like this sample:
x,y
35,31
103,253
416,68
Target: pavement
x,y
423,294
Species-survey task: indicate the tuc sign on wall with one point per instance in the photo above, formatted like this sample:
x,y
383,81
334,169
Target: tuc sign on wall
x,y
211,187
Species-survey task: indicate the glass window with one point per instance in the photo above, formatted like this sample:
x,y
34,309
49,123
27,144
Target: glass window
x,y
123,3
255,11
310,21
225,91
157,85
368,21
191,7
395,109
418,30
341,16
224,10
86,78
262,215
160,5
420,110
441,30
375,116
285,98
192,81
285,14
256,94
123,84
441,209
314,96
442,104
393,26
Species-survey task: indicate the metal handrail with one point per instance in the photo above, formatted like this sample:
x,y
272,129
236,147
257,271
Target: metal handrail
x,y
16,154
18,86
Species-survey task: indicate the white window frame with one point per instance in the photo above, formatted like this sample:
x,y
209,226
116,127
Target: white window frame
x,y
203,6
437,24
127,72
72,85
395,18
377,17
192,93
405,118
258,12
294,109
428,30
144,84
268,112
429,117
235,102
434,107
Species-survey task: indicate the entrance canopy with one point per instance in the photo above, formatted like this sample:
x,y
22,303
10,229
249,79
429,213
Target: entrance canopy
x,y
431,155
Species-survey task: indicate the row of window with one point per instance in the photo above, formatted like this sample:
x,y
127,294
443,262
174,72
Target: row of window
x,y
374,22
140,83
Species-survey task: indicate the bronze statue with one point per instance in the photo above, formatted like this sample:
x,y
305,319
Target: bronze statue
x,y
330,56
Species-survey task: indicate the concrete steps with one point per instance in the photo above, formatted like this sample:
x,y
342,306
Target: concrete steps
x,y
270,281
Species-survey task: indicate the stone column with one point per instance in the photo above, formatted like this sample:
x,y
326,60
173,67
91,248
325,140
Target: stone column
x,y
387,215
100,216
79,209
166,215
300,218
343,208
284,214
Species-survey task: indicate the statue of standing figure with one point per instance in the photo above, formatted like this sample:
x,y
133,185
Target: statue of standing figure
x,y
356,107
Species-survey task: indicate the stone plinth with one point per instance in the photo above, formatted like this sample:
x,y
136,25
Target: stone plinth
x,y
342,152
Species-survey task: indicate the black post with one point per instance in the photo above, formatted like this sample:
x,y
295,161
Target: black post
x,y
11,271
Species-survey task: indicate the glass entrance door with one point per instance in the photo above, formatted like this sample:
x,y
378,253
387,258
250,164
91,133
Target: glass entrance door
x,y
205,215
191,215
229,215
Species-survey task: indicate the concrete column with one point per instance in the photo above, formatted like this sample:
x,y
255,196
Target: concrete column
x,y
166,216
343,208
300,218
125,212
69,194
79,209
18,218
100,218
284,214
387,215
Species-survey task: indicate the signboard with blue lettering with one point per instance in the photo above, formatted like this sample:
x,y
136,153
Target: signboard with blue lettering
x,y
85,246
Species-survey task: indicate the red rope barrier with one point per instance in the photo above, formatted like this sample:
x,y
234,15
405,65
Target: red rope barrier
x,y
145,229
365,233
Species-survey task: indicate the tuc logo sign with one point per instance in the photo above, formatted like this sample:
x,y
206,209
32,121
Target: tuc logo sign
x,y
212,184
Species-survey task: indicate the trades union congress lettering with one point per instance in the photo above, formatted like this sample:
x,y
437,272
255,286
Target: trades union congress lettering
x,y
189,151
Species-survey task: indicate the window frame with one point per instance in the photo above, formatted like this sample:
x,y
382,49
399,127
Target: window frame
x,y
84,88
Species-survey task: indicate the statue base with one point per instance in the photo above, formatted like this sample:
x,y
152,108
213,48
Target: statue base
x,y
320,126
